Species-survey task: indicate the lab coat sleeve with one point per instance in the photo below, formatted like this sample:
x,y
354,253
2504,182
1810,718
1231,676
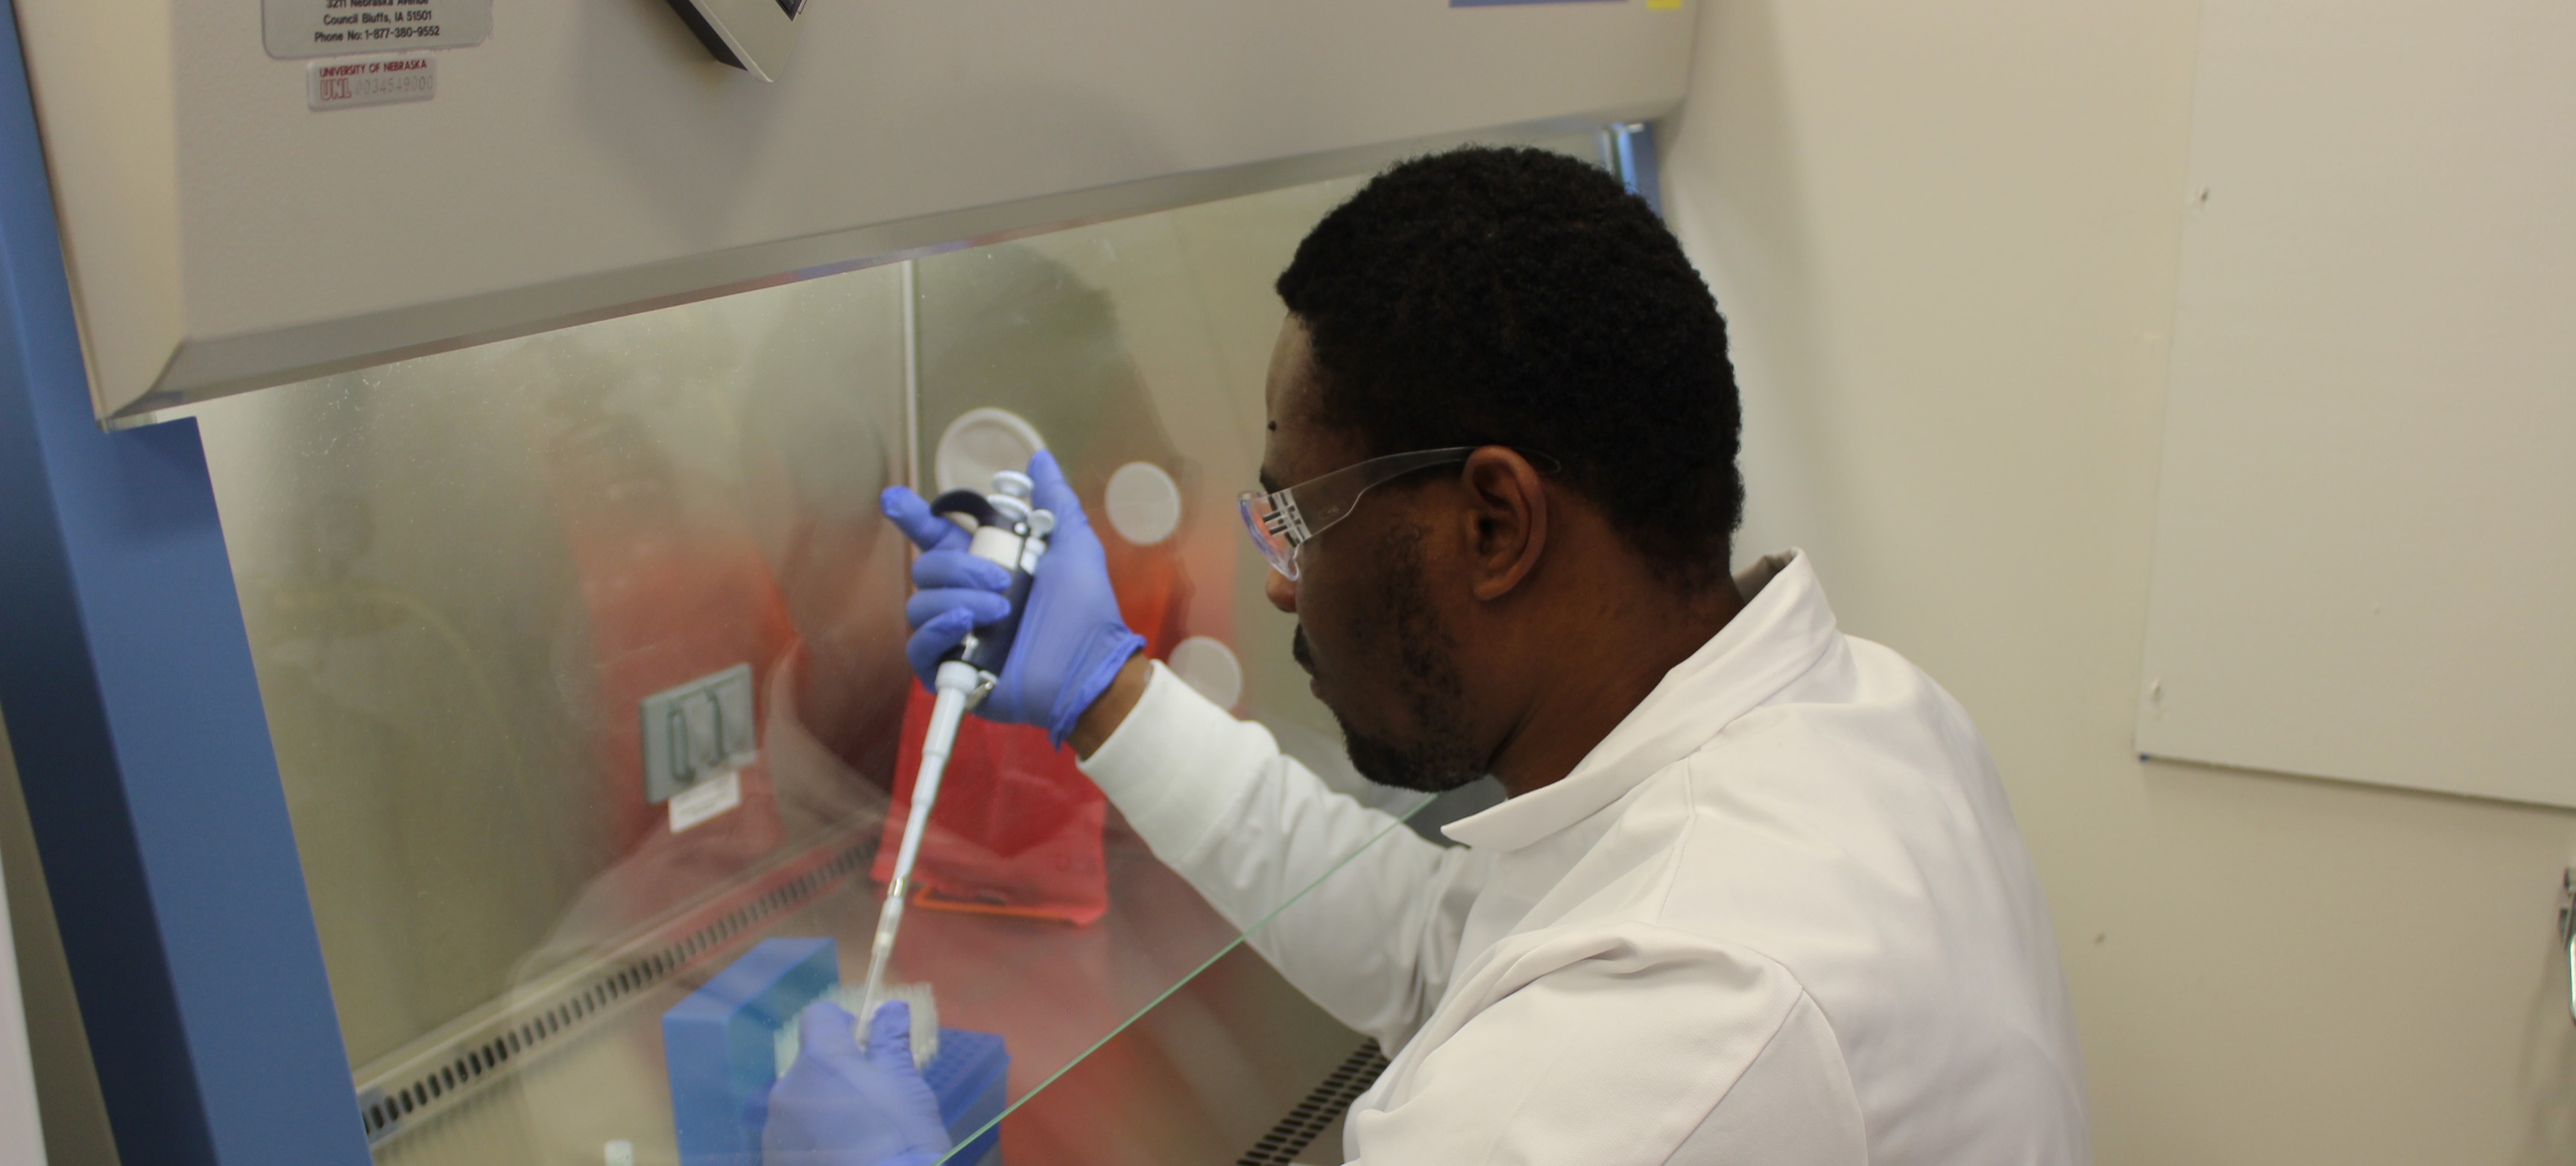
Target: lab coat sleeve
x,y
1250,828
1636,1051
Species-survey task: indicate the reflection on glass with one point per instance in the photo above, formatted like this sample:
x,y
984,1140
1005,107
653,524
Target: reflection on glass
x,y
464,576
460,575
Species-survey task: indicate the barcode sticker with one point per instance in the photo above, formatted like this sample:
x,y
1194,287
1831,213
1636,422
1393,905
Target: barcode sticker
x,y
346,84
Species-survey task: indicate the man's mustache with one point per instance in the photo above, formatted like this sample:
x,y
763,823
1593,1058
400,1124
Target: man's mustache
x,y
1305,657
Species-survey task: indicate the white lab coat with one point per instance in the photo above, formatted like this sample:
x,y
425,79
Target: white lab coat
x,y
1780,915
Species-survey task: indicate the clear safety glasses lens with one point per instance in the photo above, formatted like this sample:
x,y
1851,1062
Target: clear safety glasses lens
x,y
1283,521
1270,519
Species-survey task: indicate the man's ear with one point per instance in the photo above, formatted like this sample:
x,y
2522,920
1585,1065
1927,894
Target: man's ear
x,y
1506,517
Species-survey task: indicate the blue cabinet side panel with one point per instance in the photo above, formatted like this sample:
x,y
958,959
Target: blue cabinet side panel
x,y
126,678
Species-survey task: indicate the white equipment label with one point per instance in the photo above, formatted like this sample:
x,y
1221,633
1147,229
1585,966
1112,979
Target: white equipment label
x,y
325,28
346,84
706,800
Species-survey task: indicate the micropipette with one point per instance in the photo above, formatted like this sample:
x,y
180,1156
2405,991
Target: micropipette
x,y
1011,533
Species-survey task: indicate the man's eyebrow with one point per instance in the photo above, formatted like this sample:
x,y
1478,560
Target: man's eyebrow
x,y
1269,482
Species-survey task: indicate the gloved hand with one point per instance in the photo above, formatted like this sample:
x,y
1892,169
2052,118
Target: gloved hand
x,y
1072,640
839,1106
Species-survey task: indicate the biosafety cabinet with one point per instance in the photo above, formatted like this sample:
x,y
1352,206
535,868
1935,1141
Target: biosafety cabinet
x,y
449,631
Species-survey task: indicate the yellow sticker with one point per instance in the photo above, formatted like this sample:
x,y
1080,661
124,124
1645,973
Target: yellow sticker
x,y
1664,3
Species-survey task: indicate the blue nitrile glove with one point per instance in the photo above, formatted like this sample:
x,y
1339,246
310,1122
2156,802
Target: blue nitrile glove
x,y
839,1106
1071,642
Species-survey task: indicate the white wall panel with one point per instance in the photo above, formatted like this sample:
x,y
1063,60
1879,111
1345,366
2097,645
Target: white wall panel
x,y
2366,544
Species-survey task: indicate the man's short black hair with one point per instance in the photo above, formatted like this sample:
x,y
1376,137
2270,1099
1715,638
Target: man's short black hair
x,y
1520,297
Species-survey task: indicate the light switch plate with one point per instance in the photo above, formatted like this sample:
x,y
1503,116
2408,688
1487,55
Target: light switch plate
x,y
697,731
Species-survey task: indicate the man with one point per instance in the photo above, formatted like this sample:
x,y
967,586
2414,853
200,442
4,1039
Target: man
x,y
1755,896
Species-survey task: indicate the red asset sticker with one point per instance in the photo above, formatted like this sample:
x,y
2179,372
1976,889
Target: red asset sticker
x,y
343,84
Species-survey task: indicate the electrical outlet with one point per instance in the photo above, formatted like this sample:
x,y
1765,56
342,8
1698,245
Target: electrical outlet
x,y
697,731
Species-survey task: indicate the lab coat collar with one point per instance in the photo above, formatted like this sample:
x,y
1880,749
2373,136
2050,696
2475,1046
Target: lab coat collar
x,y
1784,629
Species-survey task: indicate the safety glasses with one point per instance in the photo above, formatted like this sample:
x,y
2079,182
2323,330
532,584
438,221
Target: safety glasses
x,y
1283,521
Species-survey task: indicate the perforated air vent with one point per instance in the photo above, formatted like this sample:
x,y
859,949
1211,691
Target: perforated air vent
x,y
439,1077
1312,1116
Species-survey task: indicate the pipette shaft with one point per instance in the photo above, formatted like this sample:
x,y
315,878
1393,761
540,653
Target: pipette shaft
x,y
957,684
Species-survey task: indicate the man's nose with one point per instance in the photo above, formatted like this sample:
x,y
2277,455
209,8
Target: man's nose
x,y
1281,591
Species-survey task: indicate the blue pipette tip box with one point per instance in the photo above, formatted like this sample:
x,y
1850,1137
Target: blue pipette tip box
x,y
720,1045
969,1075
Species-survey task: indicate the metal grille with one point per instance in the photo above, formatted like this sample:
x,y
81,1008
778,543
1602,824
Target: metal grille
x,y
1297,1131
407,1088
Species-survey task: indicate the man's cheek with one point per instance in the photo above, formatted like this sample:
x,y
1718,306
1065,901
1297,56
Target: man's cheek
x,y
1327,647
1347,673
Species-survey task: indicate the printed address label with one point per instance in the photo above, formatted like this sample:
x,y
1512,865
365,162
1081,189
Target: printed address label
x,y
323,28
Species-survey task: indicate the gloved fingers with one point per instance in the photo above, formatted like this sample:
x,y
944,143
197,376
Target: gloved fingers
x,y
933,639
890,1037
981,607
912,516
956,568
828,1029
1052,494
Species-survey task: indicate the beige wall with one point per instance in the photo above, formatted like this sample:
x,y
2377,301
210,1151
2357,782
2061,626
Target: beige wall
x,y
1946,237
69,1109
21,1131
